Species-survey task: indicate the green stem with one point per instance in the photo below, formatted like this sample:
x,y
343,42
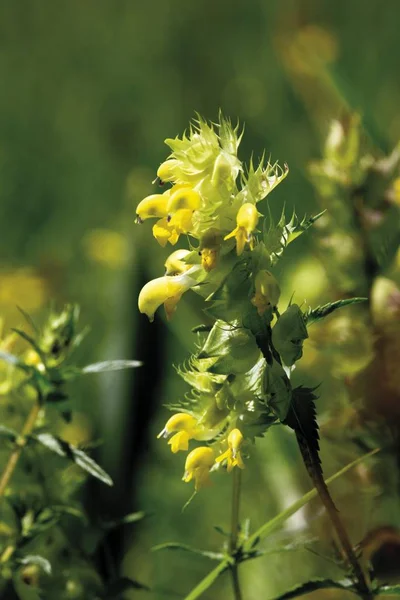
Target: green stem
x,y
20,444
233,543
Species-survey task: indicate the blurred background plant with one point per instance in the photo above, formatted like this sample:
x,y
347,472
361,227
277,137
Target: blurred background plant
x,y
90,90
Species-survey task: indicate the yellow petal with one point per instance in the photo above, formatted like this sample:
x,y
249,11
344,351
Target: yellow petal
x,y
152,206
183,198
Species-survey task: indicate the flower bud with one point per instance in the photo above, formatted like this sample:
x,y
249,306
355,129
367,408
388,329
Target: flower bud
x,y
175,263
165,171
198,465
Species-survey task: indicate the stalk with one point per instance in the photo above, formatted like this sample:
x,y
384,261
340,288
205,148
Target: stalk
x,y
20,444
233,543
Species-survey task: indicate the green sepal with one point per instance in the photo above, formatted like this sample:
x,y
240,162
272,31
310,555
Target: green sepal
x,y
278,390
288,335
229,301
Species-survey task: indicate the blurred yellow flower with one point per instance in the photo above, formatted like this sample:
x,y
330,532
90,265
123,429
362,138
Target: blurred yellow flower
x,y
106,247
22,287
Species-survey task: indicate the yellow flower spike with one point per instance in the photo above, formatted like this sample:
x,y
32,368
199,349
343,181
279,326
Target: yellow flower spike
x,y
164,232
151,207
267,292
246,221
185,427
232,455
165,171
163,290
209,259
175,263
183,198
198,464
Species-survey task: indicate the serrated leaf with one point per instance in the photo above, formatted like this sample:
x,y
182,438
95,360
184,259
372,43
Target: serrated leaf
x,y
317,584
39,561
62,448
316,314
121,585
186,548
111,365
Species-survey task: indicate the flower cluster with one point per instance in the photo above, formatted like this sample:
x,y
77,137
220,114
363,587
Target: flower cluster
x,y
239,375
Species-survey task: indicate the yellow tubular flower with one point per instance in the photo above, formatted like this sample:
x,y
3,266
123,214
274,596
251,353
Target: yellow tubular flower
x,y
198,465
185,427
164,232
232,455
246,221
152,206
175,263
183,197
267,292
181,221
163,290
165,170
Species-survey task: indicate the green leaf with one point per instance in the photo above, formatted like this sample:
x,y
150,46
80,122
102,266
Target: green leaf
x,y
111,365
186,548
316,314
126,520
389,590
317,584
121,585
302,418
39,561
62,448
28,339
28,319
277,522
8,433
208,580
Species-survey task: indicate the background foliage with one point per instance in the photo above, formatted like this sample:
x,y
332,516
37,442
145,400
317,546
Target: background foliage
x,y
90,90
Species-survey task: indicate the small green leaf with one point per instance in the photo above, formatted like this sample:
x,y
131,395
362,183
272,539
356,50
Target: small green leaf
x,y
7,433
207,581
39,561
126,520
186,548
28,339
316,314
62,448
317,584
28,319
389,590
111,365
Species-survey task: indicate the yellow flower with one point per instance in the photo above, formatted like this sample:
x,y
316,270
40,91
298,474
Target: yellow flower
x,y
164,232
183,197
175,263
152,206
267,292
185,427
198,465
163,290
165,171
232,455
246,221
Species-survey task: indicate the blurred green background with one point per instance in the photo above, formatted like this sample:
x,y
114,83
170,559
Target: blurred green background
x,y
89,91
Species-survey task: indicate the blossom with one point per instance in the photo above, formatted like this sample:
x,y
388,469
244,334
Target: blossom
x,y
197,466
184,426
152,206
246,221
267,292
175,263
165,290
232,455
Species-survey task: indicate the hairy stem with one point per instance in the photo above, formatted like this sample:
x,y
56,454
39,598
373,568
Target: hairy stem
x,y
233,543
20,444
